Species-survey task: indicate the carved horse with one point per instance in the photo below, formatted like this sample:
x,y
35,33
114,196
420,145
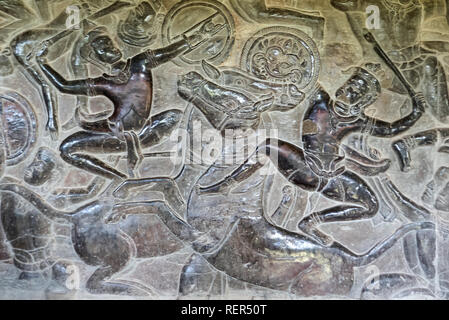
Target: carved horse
x,y
252,250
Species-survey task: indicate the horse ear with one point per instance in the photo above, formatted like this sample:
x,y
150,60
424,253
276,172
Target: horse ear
x,y
210,70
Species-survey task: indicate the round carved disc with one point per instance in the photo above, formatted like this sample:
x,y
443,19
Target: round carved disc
x,y
18,122
282,54
187,17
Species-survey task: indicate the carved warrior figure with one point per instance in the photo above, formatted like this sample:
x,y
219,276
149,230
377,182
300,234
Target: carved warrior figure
x,y
400,25
24,48
318,166
130,126
86,49
251,248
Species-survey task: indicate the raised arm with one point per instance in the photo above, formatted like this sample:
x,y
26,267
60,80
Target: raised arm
x,y
186,43
159,56
389,129
65,86
385,129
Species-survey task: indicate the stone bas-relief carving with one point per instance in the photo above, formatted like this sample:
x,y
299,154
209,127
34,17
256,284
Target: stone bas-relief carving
x,y
224,149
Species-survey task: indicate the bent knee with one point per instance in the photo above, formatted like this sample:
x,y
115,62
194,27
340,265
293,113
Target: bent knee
x,y
65,152
67,147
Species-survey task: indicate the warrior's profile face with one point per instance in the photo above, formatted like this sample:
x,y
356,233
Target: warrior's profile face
x,y
353,90
105,50
358,92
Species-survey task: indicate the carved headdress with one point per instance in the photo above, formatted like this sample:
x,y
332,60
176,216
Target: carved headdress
x,y
85,48
139,28
369,73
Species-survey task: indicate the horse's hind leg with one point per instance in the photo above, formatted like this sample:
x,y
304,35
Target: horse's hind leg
x,y
99,283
